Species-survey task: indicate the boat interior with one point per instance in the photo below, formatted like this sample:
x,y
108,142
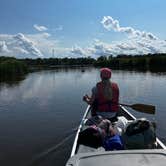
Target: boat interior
x,y
123,112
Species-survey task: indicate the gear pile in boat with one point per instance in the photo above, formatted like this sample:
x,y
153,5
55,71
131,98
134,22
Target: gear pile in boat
x,y
118,135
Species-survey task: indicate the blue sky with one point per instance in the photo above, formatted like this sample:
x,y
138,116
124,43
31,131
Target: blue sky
x,y
75,25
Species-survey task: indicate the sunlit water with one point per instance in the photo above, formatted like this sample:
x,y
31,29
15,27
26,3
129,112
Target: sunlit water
x,y
39,112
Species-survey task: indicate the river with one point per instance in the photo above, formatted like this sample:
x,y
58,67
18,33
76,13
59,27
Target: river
x,y
39,112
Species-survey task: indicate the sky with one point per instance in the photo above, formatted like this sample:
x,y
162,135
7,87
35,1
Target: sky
x,y
81,28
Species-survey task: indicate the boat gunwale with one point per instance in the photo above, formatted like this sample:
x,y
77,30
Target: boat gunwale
x,y
78,131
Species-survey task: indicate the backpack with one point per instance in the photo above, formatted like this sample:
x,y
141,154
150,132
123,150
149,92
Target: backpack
x,y
139,134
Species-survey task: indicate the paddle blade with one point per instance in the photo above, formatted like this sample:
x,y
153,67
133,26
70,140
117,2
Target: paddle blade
x,y
150,109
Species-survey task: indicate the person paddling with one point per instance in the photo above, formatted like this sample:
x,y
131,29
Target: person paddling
x,y
105,96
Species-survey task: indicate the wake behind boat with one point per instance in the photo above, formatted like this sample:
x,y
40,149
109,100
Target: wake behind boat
x,y
87,156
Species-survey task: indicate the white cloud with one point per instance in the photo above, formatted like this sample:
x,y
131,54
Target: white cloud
x,y
46,44
19,46
3,47
40,27
138,42
78,51
42,44
26,44
109,23
135,46
19,50
31,46
128,47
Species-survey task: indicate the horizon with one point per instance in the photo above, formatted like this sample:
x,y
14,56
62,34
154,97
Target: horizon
x,y
35,29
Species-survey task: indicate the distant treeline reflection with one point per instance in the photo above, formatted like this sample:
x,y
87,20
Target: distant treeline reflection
x,y
157,62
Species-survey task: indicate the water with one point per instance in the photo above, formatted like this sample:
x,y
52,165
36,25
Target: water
x,y
38,113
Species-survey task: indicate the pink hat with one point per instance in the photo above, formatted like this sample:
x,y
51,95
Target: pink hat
x,y
105,73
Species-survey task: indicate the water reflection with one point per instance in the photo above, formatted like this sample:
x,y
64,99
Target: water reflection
x,y
11,81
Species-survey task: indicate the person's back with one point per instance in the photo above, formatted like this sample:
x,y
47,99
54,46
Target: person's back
x,y
105,96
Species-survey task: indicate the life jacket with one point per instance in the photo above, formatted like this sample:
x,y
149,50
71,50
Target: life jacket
x,y
105,105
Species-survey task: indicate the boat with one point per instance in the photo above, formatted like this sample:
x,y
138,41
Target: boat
x,y
86,156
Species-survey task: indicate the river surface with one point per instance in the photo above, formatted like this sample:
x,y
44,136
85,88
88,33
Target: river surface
x,y
38,114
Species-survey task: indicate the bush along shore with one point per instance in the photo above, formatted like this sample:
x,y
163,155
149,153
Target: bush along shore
x,y
153,62
11,68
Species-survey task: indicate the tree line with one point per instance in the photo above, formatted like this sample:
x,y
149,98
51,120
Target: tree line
x,y
53,62
11,65
138,62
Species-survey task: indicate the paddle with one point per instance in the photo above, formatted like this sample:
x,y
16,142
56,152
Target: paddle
x,y
150,109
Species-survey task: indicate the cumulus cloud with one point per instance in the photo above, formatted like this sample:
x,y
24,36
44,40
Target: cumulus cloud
x,y
78,51
27,45
40,27
19,50
46,44
3,47
42,44
109,23
35,45
19,46
126,47
31,45
134,47
139,42
95,50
